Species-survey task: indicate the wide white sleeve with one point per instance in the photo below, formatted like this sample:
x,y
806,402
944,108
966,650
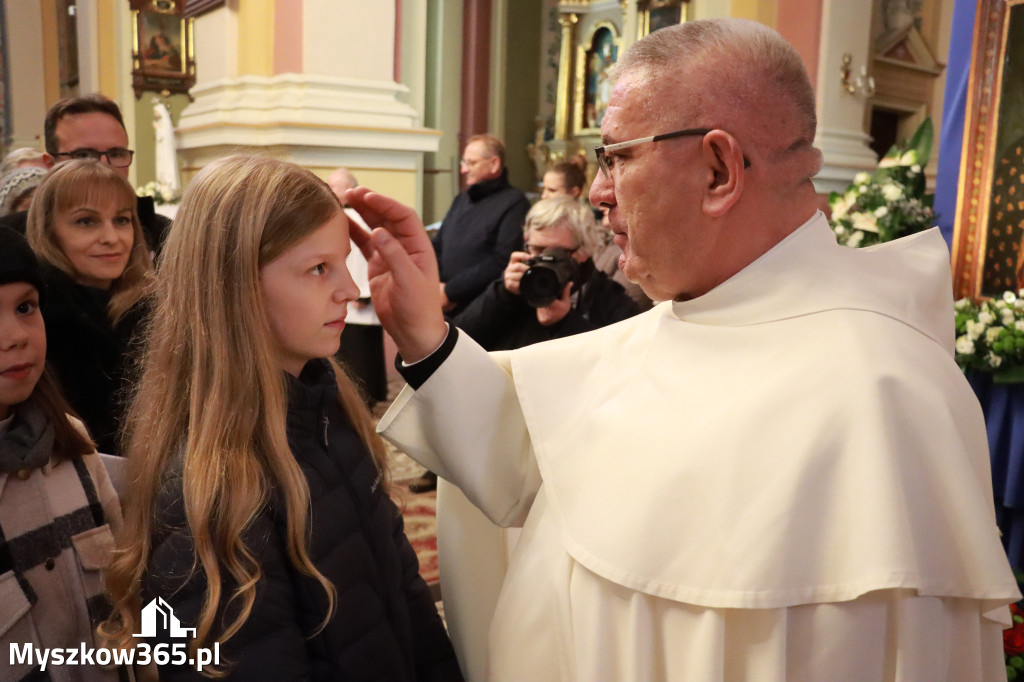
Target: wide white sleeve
x,y
466,425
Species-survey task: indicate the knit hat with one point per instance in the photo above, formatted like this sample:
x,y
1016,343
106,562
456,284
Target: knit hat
x,y
17,262
13,186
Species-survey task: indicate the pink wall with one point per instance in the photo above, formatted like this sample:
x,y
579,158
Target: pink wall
x,y
799,22
288,36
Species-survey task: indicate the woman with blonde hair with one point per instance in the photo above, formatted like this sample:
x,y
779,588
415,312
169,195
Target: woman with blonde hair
x,y
84,227
258,506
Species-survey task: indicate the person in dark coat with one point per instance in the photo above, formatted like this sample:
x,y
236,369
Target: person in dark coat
x,y
482,227
83,227
261,512
502,319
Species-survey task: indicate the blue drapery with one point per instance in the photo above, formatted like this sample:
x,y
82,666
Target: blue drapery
x,y
1003,406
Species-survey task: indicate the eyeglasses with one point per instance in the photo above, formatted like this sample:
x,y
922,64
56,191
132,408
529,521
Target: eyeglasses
x,y
606,157
473,162
118,157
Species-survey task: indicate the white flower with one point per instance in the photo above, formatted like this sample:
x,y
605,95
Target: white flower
x,y
986,318
861,178
991,334
839,208
965,345
888,162
974,329
916,168
892,191
909,158
1019,325
962,304
865,222
855,239
881,212
1009,296
993,360
1007,317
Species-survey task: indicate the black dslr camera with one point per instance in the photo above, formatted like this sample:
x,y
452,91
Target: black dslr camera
x,y
547,275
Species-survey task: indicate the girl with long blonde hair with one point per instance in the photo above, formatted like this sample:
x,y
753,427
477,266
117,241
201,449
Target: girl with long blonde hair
x,y
258,500
83,224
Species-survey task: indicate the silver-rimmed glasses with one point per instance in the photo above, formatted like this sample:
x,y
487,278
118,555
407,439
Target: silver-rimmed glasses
x,y
605,153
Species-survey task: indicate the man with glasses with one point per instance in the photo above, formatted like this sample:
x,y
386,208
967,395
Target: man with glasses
x,y
505,316
778,473
482,227
91,127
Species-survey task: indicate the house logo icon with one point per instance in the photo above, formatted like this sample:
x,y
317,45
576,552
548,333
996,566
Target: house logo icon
x,y
159,613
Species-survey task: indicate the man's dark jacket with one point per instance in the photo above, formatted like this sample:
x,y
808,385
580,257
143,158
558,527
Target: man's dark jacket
x,y
481,230
501,320
385,625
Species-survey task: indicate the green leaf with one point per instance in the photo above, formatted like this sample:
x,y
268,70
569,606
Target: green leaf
x,y
922,141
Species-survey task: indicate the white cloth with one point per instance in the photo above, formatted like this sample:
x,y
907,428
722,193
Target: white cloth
x,y
786,478
358,268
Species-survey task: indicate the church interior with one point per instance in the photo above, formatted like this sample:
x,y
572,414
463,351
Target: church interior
x,y
919,104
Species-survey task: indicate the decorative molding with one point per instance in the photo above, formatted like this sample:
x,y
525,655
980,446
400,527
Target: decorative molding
x,y
845,153
306,111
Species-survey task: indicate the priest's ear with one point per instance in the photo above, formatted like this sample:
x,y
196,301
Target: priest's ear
x,y
726,164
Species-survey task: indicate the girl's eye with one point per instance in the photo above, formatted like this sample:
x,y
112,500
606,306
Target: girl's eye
x,y
122,220
319,269
27,307
85,221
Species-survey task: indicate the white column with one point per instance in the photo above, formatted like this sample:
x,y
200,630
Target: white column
x,y
842,116
25,75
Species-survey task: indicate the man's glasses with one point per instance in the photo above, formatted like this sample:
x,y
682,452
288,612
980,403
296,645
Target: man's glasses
x,y
606,153
118,157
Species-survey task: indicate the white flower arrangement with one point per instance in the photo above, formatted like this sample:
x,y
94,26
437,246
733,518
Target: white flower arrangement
x,y
160,193
990,336
889,203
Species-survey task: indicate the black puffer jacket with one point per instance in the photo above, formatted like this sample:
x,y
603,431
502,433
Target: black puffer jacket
x,y
385,626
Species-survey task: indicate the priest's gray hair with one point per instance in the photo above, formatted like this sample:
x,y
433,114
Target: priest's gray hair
x,y
567,212
735,74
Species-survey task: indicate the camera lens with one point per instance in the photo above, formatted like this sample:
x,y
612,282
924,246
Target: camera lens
x,y
547,275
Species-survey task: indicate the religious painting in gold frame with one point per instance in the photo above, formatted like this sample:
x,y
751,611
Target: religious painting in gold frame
x,y
988,256
654,14
163,51
594,60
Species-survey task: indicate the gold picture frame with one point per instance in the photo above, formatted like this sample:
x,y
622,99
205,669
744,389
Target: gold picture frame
x,y
989,225
654,14
163,49
594,58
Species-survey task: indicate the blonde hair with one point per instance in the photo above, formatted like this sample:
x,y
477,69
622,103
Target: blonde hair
x,y
569,213
212,400
75,183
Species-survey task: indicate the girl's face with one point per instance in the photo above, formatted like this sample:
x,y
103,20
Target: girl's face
x,y
306,291
22,344
97,238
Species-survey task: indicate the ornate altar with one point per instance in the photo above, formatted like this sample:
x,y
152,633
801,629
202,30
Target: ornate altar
x,y
593,34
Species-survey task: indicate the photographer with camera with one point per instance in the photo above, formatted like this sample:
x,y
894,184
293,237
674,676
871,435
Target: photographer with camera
x,y
552,289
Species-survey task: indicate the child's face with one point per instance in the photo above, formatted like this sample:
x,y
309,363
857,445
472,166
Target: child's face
x,y
97,238
306,291
22,344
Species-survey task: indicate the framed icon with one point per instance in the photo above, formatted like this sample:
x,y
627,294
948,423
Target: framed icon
x,y
988,242
655,14
597,55
163,51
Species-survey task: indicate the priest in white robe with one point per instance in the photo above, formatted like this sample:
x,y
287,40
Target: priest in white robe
x,y
779,473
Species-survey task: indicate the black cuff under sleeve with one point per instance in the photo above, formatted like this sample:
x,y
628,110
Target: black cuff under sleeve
x,y
417,375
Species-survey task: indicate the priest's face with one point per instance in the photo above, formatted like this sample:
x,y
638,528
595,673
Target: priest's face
x,y
653,193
